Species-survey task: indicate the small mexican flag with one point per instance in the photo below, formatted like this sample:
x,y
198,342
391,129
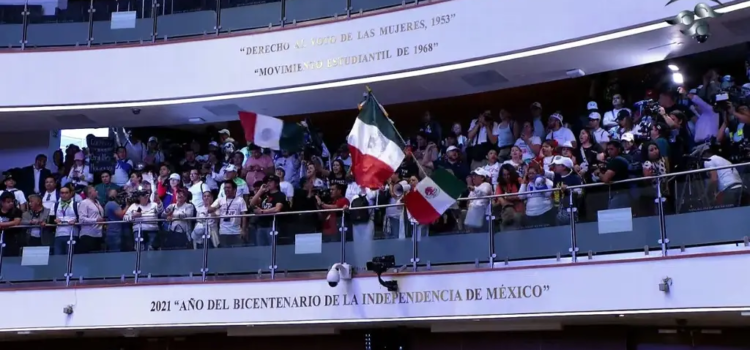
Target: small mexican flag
x,y
273,133
433,196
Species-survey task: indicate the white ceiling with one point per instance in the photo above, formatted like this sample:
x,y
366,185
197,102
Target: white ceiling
x,y
731,29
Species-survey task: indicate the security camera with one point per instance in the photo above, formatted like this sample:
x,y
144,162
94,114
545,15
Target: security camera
x,y
701,38
136,111
68,310
337,273
665,285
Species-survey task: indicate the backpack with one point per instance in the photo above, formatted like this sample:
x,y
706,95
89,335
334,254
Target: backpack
x,y
73,203
359,216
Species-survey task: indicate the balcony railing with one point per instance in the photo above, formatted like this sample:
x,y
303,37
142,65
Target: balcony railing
x,y
36,24
656,224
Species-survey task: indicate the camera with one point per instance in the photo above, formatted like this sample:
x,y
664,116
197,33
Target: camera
x,y
381,264
68,310
136,111
338,272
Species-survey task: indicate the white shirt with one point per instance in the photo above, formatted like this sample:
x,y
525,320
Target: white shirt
x,y
121,176
290,165
149,212
20,197
494,170
485,189
601,135
354,190
186,210
539,128
610,117
196,190
83,174
287,189
234,206
562,136
481,136
66,213
504,135
528,153
727,177
37,175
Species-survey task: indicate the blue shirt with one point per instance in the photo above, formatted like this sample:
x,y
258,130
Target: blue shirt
x,y
110,213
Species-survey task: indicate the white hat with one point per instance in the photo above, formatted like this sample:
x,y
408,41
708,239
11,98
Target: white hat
x,y
629,137
595,116
481,172
557,116
230,167
567,144
153,139
214,144
536,105
174,176
565,161
451,148
592,105
224,131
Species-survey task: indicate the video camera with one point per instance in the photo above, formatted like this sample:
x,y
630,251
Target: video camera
x,y
649,111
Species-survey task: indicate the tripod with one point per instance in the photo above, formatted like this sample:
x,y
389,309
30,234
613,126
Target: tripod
x,y
694,193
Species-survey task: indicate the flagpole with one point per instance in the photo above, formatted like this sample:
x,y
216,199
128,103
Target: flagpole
x,y
369,91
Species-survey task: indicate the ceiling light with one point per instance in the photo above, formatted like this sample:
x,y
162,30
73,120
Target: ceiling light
x,y
196,120
673,68
677,78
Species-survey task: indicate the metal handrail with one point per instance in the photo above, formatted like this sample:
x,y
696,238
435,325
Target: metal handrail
x,y
383,206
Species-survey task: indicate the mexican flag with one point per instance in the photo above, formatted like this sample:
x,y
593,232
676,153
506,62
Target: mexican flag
x,y
273,133
375,147
433,196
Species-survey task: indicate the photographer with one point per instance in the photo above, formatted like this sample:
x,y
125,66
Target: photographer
x,y
482,136
708,119
268,200
617,169
726,183
735,124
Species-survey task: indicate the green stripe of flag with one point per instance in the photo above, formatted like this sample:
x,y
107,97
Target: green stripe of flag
x,y
292,137
371,113
448,182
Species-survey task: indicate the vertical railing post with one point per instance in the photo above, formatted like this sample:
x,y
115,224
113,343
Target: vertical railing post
x,y
2,250
206,236
283,13
572,212
348,8
415,247
90,37
155,19
71,246
25,25
138,249
663,240
217,27
491,230
342,232
274,235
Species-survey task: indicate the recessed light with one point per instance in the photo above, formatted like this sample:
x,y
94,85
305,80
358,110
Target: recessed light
x,y
196,120
673,68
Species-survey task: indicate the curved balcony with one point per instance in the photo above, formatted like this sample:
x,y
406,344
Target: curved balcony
x,y
48,23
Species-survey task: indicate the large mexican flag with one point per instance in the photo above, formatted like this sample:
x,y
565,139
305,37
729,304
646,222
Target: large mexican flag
x,y
375,147
433,196
273,133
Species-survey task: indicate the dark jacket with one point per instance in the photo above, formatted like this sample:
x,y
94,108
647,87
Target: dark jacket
x,y
25,180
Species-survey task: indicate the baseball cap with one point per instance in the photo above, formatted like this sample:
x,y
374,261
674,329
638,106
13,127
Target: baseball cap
x,y
536,105
565,161
224,131
174,176
213,144
451,148
8,176
567,144
595,116
627,137
230,167
557,116
273,178
592,105
153,139
480,172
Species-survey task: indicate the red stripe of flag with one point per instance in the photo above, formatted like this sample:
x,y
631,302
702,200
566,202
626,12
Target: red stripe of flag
x,y
419,208
248,119
369,171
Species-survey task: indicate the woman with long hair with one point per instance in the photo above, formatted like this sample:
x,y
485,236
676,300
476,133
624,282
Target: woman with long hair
x,y
511,208
528,143
516,160
589,150
337,174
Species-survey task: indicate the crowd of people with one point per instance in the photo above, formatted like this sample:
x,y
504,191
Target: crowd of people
x,y
219,180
